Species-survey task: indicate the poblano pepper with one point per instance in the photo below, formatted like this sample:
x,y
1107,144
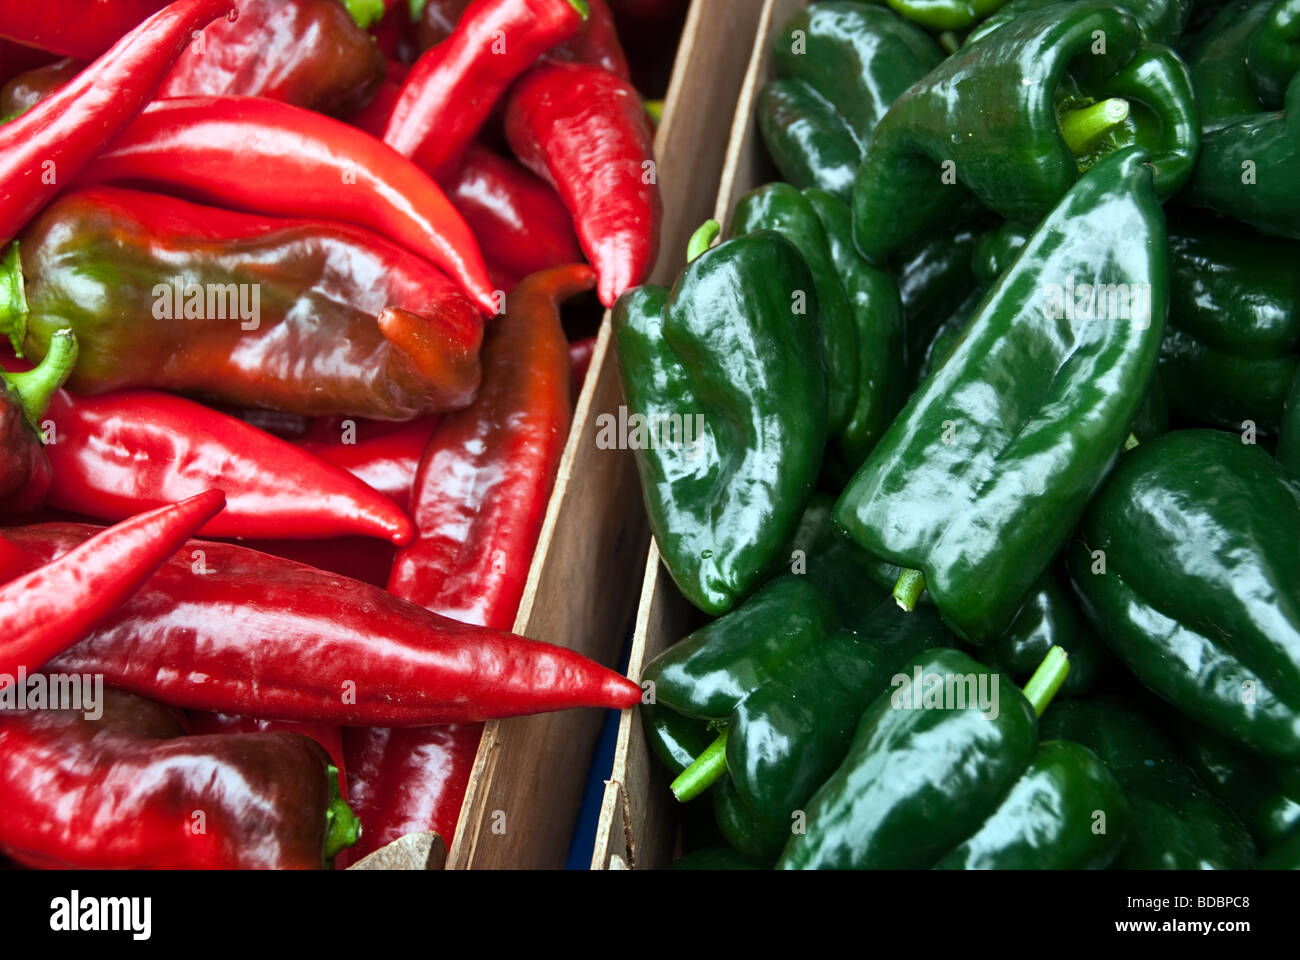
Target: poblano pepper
x,y
1161,20
1288,444
837,66
934,779
1186,564
1176,823
727,350
1017,130
981,478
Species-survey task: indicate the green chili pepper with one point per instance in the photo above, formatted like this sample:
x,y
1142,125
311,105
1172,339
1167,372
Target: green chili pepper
x,y
933,780
1218,61
1050,618
1161,20
838,65
1017,130
1288,444
1186,564
1176,823
945,14
1274,55
1022,406
1221,389
734,348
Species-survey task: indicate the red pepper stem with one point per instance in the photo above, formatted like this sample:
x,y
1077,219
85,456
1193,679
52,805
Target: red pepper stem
x,y
1083,128
35,388
908,589
1047,679
13,299
342,827
707,770
702,239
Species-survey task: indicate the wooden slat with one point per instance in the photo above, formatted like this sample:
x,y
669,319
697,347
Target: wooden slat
x,y
637,827
529,773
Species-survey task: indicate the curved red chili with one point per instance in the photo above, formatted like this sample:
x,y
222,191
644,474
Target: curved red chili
x,y
85,33
65,131
223,628
585,131
386,463
47,610
274,158
330,737
451,89
129,790
520,221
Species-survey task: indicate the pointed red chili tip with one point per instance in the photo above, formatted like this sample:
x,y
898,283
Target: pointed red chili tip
x,y
620,692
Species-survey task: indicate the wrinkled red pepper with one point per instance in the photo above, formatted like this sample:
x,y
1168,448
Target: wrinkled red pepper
x,y
129,790
306,52
65,131
358,558
584,130
596,41
50,608
452,88
343,321
521,224
223,628
480,498
131,450
85,33
25,471
276,159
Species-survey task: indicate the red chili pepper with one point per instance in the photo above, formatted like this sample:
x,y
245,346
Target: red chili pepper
x,y
310,53
277,159
584,130
64,132
128,790
202,723
25,471
118,454
311,316
386,463
521,224
407,780
50,608
28,89
451,89
596,41
223,628
373,117
357,558
84,32
482,487
16,59
580,352
479,501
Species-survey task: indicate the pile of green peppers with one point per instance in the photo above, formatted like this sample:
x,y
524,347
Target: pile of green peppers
x,y
992,510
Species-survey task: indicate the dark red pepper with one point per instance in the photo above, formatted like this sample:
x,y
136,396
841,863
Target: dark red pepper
x,y
596,41
129,790
330,737
25,472
223,628
84,32
310,53
64,132
584,130
480,497
330,318
580,352
277,159
28,89
521,224
452,88
118,454
50,608
408,780
373,117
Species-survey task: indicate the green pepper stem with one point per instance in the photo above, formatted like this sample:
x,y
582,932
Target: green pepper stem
x,y
908,589
1081,129
365,12
656,110
1047,679
36,386
949,41
707,769
702,239
342,828
1131,442
583,8
13,299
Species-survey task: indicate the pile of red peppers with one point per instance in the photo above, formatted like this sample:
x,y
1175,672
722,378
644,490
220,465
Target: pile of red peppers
x,y
283,403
